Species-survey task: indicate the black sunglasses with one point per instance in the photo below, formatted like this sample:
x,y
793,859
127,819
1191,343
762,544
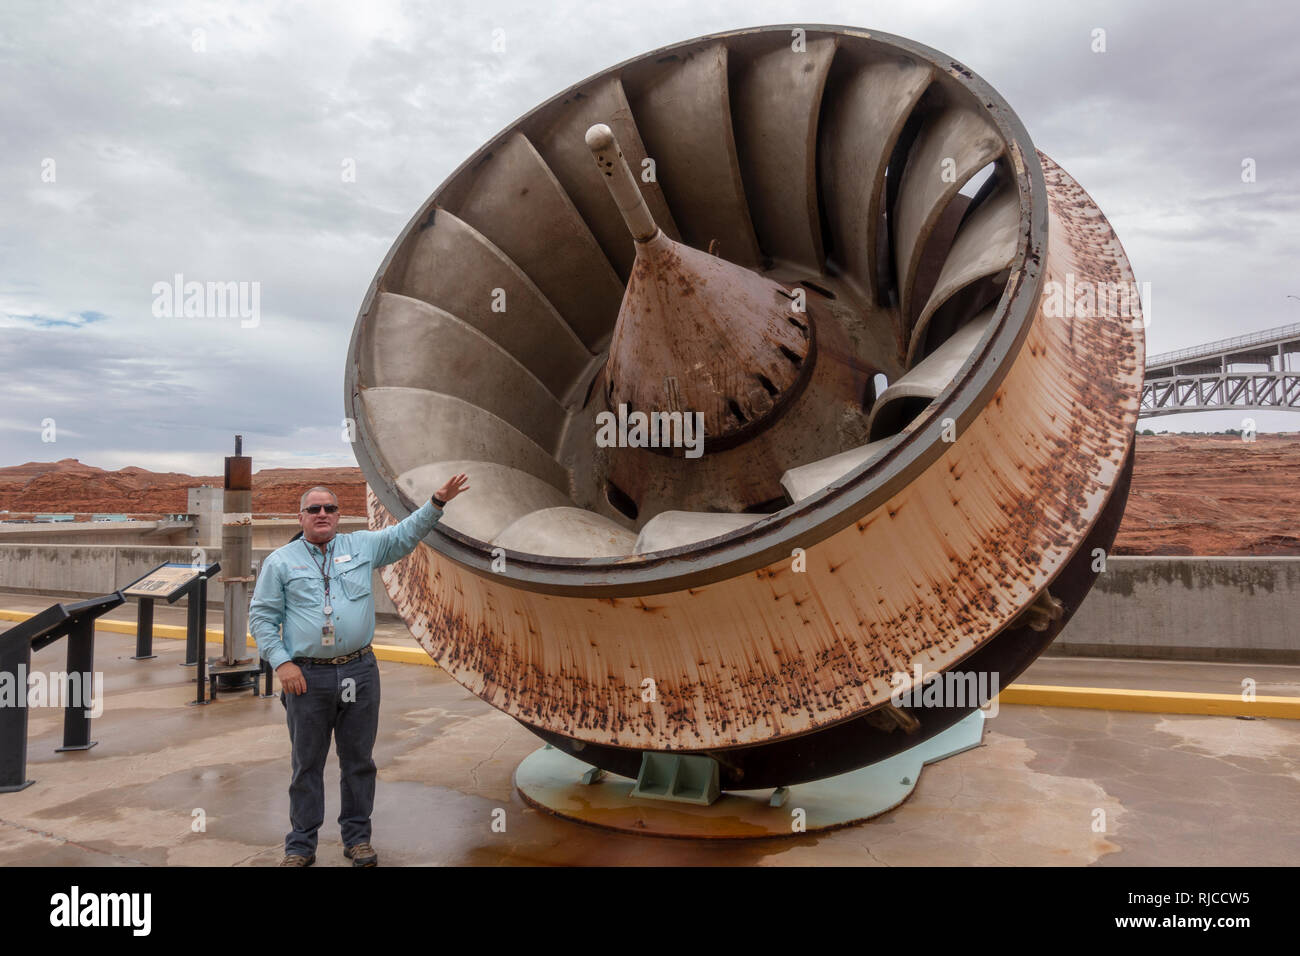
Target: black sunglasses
x,y
316,509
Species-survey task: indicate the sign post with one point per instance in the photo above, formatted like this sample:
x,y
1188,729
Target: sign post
x,y
235,669
76,622
170,582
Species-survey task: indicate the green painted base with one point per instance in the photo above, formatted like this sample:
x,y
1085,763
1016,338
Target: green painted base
x,y
551,780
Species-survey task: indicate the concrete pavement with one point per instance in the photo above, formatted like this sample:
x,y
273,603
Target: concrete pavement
x,y
1166,790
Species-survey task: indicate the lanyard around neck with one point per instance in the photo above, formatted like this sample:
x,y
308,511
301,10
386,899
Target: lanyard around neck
x,y
323,566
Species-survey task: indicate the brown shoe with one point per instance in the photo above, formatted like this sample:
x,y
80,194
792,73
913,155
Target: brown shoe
x,y
295,859
363,854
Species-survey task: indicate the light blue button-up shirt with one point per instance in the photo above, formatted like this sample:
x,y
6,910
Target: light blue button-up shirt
x,y
291,589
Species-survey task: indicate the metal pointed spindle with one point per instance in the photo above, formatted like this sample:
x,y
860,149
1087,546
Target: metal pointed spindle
x,y
621,182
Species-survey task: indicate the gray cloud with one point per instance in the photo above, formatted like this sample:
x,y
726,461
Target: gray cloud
x,y
224,164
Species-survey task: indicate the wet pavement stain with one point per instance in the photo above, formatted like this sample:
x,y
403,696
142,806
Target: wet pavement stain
x,y
1174,790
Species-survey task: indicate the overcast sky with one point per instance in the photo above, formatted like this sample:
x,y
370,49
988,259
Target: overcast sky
x,y
136,149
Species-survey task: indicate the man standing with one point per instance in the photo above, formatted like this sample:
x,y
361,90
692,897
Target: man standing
x,y
317,590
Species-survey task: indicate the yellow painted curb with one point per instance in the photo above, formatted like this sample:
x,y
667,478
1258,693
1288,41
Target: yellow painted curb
x,y
1151,701
14,615
384,652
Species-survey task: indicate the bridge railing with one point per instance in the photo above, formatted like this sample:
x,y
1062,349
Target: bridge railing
x,y
1224,345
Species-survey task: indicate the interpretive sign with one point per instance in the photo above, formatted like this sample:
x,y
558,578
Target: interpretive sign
x,y
163,581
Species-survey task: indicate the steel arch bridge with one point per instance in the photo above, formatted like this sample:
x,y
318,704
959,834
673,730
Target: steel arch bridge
x,y
1255,372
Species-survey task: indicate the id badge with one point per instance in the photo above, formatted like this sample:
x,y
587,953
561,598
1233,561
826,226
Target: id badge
x,y
327,635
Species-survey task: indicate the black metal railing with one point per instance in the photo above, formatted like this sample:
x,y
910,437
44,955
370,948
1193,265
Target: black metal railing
x,y
76,622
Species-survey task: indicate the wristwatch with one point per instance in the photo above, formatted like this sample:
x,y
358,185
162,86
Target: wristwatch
x,y
438,502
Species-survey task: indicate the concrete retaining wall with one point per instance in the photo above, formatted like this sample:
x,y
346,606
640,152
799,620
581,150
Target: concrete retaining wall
x,y
1192,608
147,533
267,532
90,569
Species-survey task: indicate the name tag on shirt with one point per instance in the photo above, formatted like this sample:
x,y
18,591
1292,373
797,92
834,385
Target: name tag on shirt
x,y
343,559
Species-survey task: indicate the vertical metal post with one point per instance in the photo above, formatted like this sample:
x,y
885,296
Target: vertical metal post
x,y
193,642
200,598
144,631
16,662
81,661
237,562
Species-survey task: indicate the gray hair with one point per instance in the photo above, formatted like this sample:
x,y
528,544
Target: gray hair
x,y
302,502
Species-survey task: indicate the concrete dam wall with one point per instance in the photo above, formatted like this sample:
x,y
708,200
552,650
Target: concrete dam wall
x,y
1189,608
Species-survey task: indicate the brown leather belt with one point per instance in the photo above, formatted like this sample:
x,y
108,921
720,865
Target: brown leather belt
x,y
332,660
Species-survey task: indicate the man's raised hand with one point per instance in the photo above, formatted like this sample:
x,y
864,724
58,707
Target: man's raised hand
x,y
455,485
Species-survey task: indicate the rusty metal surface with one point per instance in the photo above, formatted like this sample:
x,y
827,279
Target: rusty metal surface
x,y
236,550
856,338
699,334
824,414
925,554
859,740
239,474
776,653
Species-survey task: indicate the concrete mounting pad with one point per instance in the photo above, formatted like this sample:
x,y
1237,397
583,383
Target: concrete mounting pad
x,y
171,784
551,780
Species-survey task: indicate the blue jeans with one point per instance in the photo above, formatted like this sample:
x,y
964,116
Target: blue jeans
x,y
342,699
